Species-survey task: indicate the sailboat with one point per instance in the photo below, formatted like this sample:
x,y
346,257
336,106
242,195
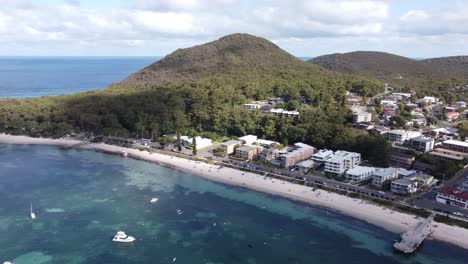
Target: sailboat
x,y
32,214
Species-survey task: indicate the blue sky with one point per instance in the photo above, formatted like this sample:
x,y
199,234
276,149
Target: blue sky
x,y
413,28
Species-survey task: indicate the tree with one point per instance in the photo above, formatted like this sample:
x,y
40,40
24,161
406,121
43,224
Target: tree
x,y
463,130
179,143
194,143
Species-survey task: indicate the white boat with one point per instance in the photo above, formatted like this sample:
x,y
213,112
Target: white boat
x,y
124,154
123,238
154,199
179,212
32,214
7,262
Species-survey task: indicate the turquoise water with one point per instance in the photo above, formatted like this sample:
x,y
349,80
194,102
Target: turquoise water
x,y
39,76
83,198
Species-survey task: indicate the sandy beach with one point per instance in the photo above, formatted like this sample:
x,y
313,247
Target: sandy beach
x,y
393,221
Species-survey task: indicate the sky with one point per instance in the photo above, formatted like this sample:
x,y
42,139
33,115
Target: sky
x,y
305,28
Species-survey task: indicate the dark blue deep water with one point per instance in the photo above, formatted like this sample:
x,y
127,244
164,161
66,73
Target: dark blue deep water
x,y
39,76
82,198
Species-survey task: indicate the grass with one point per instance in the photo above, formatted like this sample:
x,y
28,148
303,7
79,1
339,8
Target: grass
x,y
445,219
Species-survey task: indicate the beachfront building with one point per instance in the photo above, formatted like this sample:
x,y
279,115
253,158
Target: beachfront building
x,y
229,146
452,150
248,140
422,179
401,160
342,161
200,142
359,174
362,117
400,136
382,175
422,143
305,166
452,196
300,152
266,143
322,155
247,152
404,186
269,154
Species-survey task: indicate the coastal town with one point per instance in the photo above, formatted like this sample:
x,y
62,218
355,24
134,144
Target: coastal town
x,y
425,140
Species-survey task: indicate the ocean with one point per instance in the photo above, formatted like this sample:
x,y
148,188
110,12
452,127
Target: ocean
x,y
82,198
23,77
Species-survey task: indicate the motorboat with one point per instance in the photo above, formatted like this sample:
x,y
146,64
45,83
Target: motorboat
x,y
7,262
179,212
124,154
122,238
154,200
32,215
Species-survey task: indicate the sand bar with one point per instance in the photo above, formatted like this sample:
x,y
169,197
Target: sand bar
x,y
393,221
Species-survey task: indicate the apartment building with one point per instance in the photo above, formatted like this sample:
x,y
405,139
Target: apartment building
x,y
229,146
401,136
452,196
422,143
247,152
322,155
300,152
362,117
359,174
382,175
404,186
342,161
401,160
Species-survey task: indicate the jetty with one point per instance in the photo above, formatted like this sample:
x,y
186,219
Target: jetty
x,y
411,239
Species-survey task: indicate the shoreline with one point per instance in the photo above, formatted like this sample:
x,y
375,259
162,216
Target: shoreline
x,y
392,221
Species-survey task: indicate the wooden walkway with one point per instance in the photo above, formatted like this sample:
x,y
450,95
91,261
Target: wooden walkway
x,y
411,240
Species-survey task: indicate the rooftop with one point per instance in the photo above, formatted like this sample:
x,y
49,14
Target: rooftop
x,y
422,139
305,163
231,142
457,143
246,148
360,170
403,181
385,171
454,192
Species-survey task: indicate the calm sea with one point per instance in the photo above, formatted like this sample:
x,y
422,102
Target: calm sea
x,y
83,198
39,76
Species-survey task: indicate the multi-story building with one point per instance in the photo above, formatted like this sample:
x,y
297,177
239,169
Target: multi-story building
x,y
305,166
404,186
322,155
401,160
422,143
422,179
284,113
229,146
249,139
252,106
382,175
301,152
362,117
455,145
269,154
447,154
247,152
452,196
359,174
401,136
342,161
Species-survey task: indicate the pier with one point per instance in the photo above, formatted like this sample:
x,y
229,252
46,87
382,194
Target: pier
x,y
411,239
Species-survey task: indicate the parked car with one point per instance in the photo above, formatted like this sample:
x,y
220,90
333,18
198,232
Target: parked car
x,y
457,214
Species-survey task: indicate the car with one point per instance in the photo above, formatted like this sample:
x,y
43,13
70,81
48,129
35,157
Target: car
x,y
457,214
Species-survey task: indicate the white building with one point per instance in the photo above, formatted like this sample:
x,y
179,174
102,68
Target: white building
x,y
252,106
359,174
322,155
342,161
422,143
284,113
401,136
382,175
305,166
229,146
248,140
362,117
404,186
452,196
200,142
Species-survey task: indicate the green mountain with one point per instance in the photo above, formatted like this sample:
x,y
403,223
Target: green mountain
x,y
385,66
201,90
227,56
455,64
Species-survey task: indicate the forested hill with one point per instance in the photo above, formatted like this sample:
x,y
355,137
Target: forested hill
x,y
438,77
454,64
202,90
229,56
381,65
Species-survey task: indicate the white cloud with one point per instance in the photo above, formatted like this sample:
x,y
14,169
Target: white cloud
x,y
164,25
